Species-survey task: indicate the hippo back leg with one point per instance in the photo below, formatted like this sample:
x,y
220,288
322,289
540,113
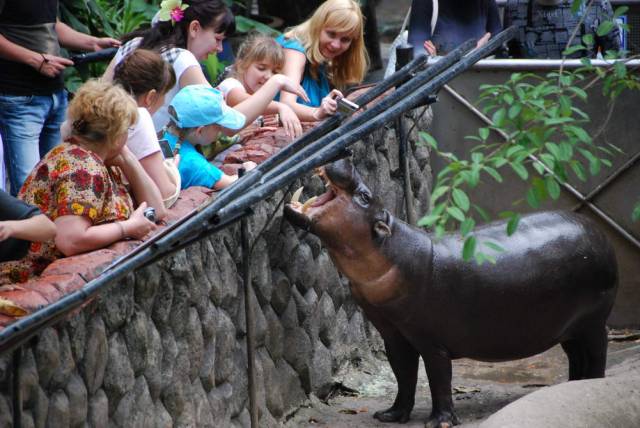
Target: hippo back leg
x,y
587,352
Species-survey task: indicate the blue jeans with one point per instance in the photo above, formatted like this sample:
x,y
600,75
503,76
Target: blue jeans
x,y
30,127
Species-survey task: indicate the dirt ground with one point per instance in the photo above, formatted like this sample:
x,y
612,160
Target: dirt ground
x,y
480,389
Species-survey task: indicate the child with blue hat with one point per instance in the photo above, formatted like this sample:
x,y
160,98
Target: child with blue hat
x,y
198,114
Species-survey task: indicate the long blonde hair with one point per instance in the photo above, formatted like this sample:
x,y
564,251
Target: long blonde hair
x,y
343,16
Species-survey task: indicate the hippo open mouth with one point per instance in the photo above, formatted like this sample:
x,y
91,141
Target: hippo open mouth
x,y
313,206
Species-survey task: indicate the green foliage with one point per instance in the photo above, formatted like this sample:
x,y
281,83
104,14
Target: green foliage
x,y
541,121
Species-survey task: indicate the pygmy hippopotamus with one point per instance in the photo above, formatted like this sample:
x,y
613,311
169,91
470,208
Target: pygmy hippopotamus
x,y
554,283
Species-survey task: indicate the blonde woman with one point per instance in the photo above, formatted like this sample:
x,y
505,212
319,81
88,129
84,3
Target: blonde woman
x,y
326,54
79,184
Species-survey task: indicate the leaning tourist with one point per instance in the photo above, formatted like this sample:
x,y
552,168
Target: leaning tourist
x,y
198,115
79,184
440,27
184,35
259,58
146,76
21,223
326,54
32,96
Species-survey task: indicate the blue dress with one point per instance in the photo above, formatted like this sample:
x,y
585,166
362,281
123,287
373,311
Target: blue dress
x,y
316,89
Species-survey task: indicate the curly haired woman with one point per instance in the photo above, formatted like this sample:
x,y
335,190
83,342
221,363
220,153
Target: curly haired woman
x,y
79,184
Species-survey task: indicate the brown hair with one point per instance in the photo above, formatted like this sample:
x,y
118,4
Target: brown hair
x,y
258,48
100,112
143,70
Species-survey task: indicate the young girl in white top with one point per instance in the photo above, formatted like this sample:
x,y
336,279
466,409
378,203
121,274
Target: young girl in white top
x,y
259,58
147,77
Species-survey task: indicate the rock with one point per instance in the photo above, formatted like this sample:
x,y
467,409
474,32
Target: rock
x,y
273,384
281,291
163,301
78,403
163,418
98,415
203,416
116,306
275,334
320,371
118,376
297,352
58,415
218,401
39,407
47,353
225,344
6,415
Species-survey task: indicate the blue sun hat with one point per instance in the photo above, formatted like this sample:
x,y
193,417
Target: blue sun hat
x,y
202,105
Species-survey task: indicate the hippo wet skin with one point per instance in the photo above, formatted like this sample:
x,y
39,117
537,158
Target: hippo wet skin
x,y
555,283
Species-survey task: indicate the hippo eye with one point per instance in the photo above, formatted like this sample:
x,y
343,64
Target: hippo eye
x,y
363,199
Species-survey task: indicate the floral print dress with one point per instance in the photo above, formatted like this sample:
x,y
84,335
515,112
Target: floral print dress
x,y
69,180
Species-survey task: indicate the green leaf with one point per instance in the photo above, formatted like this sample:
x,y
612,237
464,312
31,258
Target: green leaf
x,y
620,11
573,49
439,231
456,213
461,199
514,111
580,93
484,133
438,192
558,121
587,39
477,157
552,187
498,117
495,174
427,138
539,167
428,221
620,69
520,170
512,224
495,247
554,150
580,133
605,28
575,5
578,169
469,248
467,226
482,212
532,198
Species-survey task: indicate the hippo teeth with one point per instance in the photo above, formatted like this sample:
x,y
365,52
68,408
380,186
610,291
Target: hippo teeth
x,y
308,203
296,195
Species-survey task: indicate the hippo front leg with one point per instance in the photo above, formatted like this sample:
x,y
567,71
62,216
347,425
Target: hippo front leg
x,y
438,367
404,359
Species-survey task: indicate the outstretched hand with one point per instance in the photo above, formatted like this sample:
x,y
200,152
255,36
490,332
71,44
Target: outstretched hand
x,y
328,105
289,85
483,40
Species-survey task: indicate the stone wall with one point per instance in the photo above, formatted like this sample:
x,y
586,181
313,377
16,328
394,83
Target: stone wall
x,y
166,346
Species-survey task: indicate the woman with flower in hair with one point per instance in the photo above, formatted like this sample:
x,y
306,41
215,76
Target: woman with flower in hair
x,y
186,32
326,53
79,184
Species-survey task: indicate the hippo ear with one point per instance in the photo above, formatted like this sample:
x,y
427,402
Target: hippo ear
x,y
382,229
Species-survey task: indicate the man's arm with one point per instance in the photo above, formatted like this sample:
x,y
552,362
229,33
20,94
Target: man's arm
x,y
72,39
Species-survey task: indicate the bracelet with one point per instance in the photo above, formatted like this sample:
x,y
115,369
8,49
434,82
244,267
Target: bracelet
x,y
123,234
44,61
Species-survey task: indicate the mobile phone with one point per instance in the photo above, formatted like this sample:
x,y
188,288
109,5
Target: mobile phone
x,y
347,106
166,149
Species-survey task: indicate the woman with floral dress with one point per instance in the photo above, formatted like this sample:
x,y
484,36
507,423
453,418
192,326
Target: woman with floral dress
x,y
79,184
